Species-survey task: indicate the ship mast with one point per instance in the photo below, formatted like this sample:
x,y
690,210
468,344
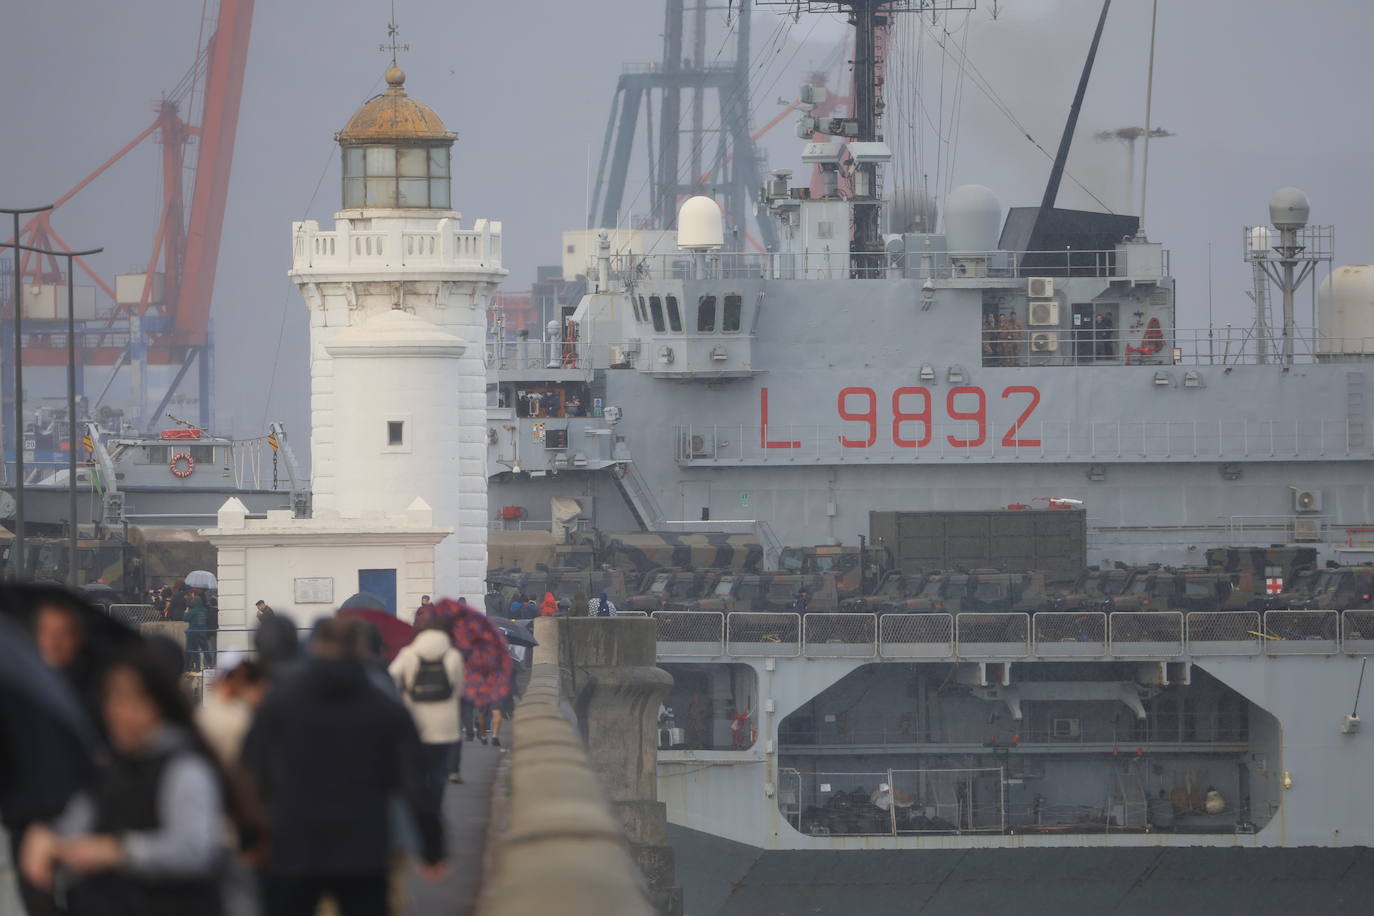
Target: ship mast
x,y
869,18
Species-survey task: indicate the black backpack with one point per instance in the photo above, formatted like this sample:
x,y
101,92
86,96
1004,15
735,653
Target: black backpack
x,y
431,684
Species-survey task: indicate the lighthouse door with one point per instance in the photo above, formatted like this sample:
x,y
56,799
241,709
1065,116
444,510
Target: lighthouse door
x,y
382,583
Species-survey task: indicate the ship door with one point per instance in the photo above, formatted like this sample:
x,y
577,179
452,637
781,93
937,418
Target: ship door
x,y
696,501
1084,342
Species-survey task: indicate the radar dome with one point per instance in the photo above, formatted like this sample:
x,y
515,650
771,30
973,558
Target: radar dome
x,y
973,219
699,226
911,210
1289,208
1345,311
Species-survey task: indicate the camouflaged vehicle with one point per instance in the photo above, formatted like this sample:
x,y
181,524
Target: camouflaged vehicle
x,y
1340,588
115,563
853,568
1094,588
646,552
771,592
671,589
890,597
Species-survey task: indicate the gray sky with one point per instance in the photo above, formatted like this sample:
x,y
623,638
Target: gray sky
x,y
1261,93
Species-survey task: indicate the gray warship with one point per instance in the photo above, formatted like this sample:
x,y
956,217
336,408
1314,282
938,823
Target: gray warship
x,y
881,357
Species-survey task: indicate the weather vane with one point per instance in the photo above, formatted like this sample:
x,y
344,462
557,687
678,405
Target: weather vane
x,y
393,33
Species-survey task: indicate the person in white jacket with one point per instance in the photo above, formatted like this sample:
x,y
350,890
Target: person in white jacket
x,y
429,673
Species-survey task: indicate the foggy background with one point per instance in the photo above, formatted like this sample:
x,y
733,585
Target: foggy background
x,y
1260,93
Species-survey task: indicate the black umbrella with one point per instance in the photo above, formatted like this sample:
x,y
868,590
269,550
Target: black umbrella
x,y
515,631
363,601
45,739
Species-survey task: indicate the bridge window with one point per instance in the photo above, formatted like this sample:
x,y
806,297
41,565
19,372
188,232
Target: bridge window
x,y
706,315
641,311
731,317
656,309
674,315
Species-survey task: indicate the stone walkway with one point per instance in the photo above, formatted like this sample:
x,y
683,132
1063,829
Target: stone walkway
x,y
466,815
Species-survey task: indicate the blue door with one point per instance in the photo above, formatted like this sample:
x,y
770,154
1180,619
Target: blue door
x,y
382,583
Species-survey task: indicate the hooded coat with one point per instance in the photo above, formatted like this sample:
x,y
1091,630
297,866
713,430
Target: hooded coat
x,y
549,606
436,720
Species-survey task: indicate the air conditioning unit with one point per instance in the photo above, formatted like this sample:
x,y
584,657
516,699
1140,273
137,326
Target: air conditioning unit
x,y
1044,342
619,358
698,447
1307,500
1307,529
1066,728
1043,312
1040,287
665,355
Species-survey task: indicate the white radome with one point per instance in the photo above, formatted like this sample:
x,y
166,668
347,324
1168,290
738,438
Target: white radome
x,y
699,225
1345,310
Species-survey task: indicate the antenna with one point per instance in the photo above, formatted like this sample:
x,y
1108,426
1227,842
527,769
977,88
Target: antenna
x,y
392,34
869,18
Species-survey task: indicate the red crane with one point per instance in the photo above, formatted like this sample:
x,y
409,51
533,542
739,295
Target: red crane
x,y
170,329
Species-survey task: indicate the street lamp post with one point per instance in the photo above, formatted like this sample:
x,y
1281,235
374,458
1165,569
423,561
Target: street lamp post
x,y
17,549
71,257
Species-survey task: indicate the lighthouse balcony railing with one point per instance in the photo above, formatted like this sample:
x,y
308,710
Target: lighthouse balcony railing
x,y
394,246
977,635
862,442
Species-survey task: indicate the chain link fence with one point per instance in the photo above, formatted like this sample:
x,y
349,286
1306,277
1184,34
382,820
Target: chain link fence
x,y
690,632
916,635
1070,634
1357,632
1302,632
134,614
1224,633
993,635
760,633
1148,633
840,635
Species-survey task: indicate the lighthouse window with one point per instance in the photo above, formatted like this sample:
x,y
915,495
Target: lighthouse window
x,y
395,432
385,176
731,315
656,310
706,315
674,315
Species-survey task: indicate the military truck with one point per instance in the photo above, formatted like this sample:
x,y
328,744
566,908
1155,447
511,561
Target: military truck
x,y
853,567
503,586
893,590
771,592
671,589
1340,588
1094,588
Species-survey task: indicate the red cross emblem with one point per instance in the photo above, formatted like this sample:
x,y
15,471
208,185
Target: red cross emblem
x,y
1273,585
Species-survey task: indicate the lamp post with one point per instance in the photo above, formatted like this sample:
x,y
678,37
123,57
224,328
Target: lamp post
x,y
71,257
17,549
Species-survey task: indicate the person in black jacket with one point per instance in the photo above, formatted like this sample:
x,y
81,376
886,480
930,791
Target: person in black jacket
x,y
326,752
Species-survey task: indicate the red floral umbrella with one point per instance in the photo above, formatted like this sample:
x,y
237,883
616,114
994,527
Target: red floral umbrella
x,y
487,665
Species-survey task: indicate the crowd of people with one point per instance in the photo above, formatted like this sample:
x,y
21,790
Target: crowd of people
x,y
312,769
526,608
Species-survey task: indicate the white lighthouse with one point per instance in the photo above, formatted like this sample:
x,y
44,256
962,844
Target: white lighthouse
x,y
397,294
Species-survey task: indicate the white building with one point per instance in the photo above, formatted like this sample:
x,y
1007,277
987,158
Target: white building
x,y
397,293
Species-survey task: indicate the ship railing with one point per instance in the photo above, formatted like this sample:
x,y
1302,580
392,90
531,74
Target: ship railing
x,y
1065,635
1055,345
977,635
699,633
1357,632
755,633
900,728
1224,632
541,354
1146,633
916,635
1113,440
839,264
992,635
827,635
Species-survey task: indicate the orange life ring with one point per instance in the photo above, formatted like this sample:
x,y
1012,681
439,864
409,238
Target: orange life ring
x,y
176,468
